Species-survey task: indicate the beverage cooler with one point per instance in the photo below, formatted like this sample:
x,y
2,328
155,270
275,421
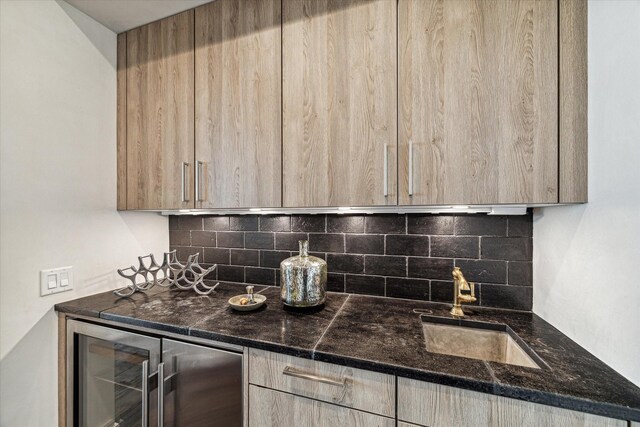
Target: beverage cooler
x,y
119,378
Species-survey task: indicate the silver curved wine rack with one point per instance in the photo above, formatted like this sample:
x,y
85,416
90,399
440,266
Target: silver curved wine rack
x,y
170,273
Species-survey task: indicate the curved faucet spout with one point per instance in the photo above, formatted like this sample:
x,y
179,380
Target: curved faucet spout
x,y
460,284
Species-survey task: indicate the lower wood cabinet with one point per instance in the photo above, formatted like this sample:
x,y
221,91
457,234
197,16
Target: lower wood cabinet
x,y
341,385
275,408
434,405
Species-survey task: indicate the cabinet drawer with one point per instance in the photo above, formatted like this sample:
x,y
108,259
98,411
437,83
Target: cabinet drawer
x,y
355,388
436,405
274,408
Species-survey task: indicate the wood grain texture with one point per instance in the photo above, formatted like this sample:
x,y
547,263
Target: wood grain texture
x,y
238,103
573,102
121,120
160,114
62,370
403,424
435,405
245,386
478,99
274,408
510,412
339,102
365,390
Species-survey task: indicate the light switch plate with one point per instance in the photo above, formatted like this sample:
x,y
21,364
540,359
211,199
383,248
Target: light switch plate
x,y
56,280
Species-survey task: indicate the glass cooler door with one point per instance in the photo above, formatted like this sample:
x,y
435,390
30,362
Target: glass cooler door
x,y
111,376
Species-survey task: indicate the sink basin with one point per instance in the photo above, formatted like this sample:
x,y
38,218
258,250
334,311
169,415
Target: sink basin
x,y
477,340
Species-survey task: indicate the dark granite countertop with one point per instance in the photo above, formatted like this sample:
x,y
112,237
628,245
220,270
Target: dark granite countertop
x,y
384,335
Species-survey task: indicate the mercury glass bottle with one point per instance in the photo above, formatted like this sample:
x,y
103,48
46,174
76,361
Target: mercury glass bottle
x,y
303,279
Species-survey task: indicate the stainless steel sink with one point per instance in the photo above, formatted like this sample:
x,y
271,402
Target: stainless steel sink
x,y
477,340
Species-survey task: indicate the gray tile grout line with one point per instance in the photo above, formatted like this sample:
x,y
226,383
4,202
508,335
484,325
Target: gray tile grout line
x,y
313,351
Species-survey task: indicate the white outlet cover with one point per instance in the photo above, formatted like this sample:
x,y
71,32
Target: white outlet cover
x,y
58,273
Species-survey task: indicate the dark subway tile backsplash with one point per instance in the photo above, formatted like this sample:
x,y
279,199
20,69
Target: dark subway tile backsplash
x,y
369,285
308,223
399,255
431,268
201,238
260,276
365,244
243,223
216,223
345,223
507,248
455,247
247,257
275,223
230,239
385,265
326,242
428,224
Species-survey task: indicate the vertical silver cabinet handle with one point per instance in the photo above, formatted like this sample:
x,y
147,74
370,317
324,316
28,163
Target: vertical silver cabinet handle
x,y
183,183
386,171
145,393
198,180
410,168
161,394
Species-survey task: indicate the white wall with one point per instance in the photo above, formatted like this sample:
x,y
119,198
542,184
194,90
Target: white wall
x,y
58,190
586,258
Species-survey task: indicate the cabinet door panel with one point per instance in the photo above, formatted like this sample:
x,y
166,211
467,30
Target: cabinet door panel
x,y
364,390
121,121
479,101
203,386
274,408
436,405
238,103
339,103
160,113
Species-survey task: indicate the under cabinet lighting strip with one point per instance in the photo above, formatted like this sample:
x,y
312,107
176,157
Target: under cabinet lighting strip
x,y
478,209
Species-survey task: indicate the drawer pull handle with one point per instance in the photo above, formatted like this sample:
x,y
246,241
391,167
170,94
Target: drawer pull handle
x,y
293,373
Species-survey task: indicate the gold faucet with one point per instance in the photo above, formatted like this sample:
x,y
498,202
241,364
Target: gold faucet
x,y
460,284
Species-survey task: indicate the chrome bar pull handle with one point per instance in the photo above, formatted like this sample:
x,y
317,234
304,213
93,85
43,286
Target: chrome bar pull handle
x,y
288,370
145,393
386,171
198,180
161,394
183,183
410,168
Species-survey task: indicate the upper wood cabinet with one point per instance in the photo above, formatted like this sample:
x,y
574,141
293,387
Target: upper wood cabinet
x,y
159,117
478,102
324,103
339,103
238,104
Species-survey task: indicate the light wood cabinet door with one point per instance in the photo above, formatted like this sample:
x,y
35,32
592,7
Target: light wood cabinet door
x,y
274,408
573,66
434,405
160,145
339,103
354,388
238,104
478,101
121,121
